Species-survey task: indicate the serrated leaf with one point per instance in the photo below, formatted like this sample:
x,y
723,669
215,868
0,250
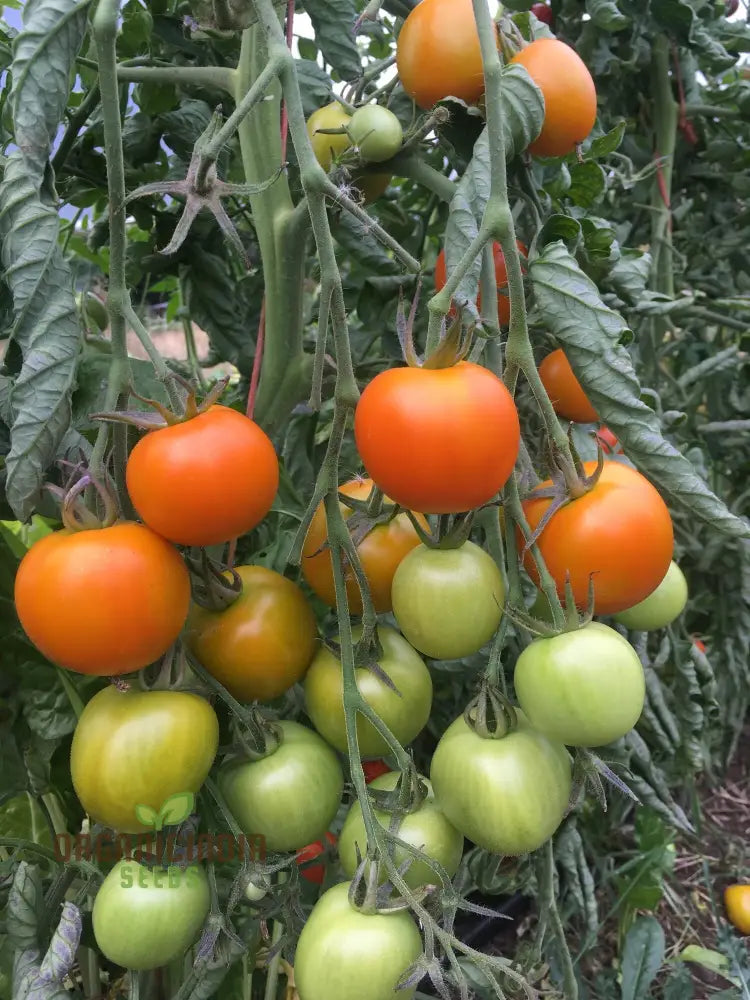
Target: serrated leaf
x,y
24,907
333,21
590,333
680,21
182,126
629,275
146,815
642,957
606,15
176,808
605,144
61,954
587,183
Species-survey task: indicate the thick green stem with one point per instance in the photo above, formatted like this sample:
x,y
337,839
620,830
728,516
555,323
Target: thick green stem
x,y
220,77
406,165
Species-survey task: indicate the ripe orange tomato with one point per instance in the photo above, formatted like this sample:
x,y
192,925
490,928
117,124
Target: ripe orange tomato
x,y
501,277
263,643
205,480
620,531
438,53
737,902
569,95
438,440
564,390
380,553
104,601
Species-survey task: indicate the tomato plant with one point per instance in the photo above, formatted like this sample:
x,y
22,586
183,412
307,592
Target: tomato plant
x,y
448,602
620,531
134,749
506,795
501,279
426,828
581,688
376,132
564,389
662,605
380,552
144,917
262,643
737,903
416,434
404,710
343,952
314,873
73,591
569,95
290,796
438,53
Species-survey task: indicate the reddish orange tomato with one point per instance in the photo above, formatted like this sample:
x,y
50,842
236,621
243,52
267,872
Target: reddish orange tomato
x,y
620,531
263,643
569,95
564,390
205,480
380,553
737,902
314,873
438,53
374,769
501,277
608,441
699,645
438,440
105,601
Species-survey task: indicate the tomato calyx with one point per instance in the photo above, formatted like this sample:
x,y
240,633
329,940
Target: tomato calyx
x,y
368,895
256,737
573,618
75,515
490,714
211,586
453,346
159,416
408,795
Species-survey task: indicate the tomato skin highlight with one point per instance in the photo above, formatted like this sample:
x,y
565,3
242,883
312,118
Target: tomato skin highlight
x,y
289,797
501,279
427,829
737,903
662,605
343,954
380,553
136,747
262,644
145,918
584,688
105,601
314,873
507,795
620,531
564,390
438,441
405,714
438,53
448,602
205,480
569,95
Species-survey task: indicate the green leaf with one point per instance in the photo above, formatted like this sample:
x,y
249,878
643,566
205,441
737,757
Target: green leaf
x,y
361,246
146,815
182,126
308,50
679,986
590,334
333,21
176,808
22,817
642,957
606,15
629,275
714,961
523,109
605,144
24,906
587,183
314,84
679,20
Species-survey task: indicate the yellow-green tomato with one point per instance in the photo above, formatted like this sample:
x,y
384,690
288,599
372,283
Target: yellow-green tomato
x,y
405,711
144,918
448,602
328,147
344,954
376,132
138,748
662,605
427,829
290,796
584,688
507,795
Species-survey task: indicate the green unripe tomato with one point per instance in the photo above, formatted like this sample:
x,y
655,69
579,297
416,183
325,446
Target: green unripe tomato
x,y
584,688
93,309
448,602
144,918
328,147
427,828
662,605
376,132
